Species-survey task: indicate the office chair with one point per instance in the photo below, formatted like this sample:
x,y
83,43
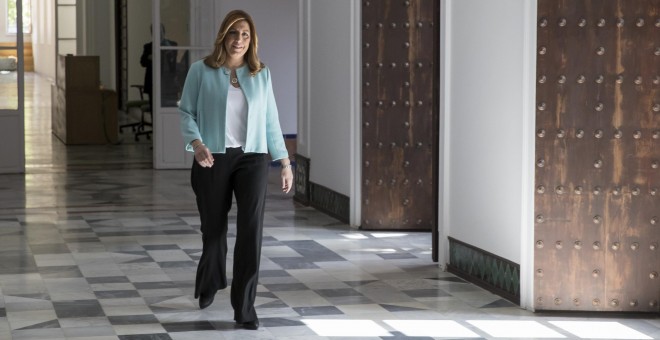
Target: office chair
x,y
145,108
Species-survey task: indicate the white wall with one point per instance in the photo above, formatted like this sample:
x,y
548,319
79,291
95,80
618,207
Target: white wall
x,y
329,92
43,37
96,36
488,126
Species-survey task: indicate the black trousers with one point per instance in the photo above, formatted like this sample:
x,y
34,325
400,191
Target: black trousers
x,y
246,176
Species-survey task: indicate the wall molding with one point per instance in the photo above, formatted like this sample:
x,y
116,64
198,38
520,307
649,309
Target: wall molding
x,y
487,270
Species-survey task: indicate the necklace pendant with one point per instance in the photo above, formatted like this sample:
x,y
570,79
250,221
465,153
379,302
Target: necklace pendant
x,y
234,80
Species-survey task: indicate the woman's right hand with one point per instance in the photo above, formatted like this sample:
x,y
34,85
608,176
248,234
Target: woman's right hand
x,y
203,156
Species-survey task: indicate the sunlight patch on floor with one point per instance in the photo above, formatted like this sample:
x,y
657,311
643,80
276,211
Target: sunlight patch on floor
x,y
355,236
346,327
505,329
387,235
599,330
515,329
432,328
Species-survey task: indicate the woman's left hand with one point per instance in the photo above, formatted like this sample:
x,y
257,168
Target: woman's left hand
x,y
287,179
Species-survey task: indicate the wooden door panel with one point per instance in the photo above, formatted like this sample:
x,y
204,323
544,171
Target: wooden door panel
x,y
400,114
597,200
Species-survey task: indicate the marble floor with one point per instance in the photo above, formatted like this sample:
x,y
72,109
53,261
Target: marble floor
x,y
94,244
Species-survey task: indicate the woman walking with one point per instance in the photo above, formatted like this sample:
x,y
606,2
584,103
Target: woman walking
x,y
229,119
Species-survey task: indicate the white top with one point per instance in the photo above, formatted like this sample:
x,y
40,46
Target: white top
x,y
236,118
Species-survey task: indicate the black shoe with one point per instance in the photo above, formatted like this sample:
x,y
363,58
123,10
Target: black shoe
x,y
251,325
205,301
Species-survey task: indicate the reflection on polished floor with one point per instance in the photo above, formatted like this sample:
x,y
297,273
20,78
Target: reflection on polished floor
x,y
94,244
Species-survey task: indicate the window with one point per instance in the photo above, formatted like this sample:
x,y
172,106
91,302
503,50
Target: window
x,y
11,17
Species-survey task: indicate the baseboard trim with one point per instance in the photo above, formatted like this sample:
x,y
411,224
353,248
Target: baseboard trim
x,y
316,195
489,271
301,180
329,202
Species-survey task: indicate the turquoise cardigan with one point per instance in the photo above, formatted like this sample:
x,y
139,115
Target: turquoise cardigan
x,y
203,110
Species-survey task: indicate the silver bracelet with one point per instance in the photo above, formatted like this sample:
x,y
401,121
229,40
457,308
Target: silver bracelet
x,y
288,166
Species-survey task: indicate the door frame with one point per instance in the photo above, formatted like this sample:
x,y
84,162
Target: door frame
x,y
437,254
355,207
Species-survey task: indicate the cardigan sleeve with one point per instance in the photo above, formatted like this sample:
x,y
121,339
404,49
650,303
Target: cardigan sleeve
x,y
188,106
275,139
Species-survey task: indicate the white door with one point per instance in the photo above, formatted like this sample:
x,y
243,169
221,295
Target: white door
x,y
12,147
183,39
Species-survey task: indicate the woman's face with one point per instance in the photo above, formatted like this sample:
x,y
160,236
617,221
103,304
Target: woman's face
x,y
237,40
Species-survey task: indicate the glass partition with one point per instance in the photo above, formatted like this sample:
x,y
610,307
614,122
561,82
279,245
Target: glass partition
x,y
8,77
174,59
178,46
66,27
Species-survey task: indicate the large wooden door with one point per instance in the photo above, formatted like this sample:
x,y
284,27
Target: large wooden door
x,y
400,46
597,202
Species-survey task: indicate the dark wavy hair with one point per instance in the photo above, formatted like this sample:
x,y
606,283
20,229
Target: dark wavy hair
x,y
219,56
